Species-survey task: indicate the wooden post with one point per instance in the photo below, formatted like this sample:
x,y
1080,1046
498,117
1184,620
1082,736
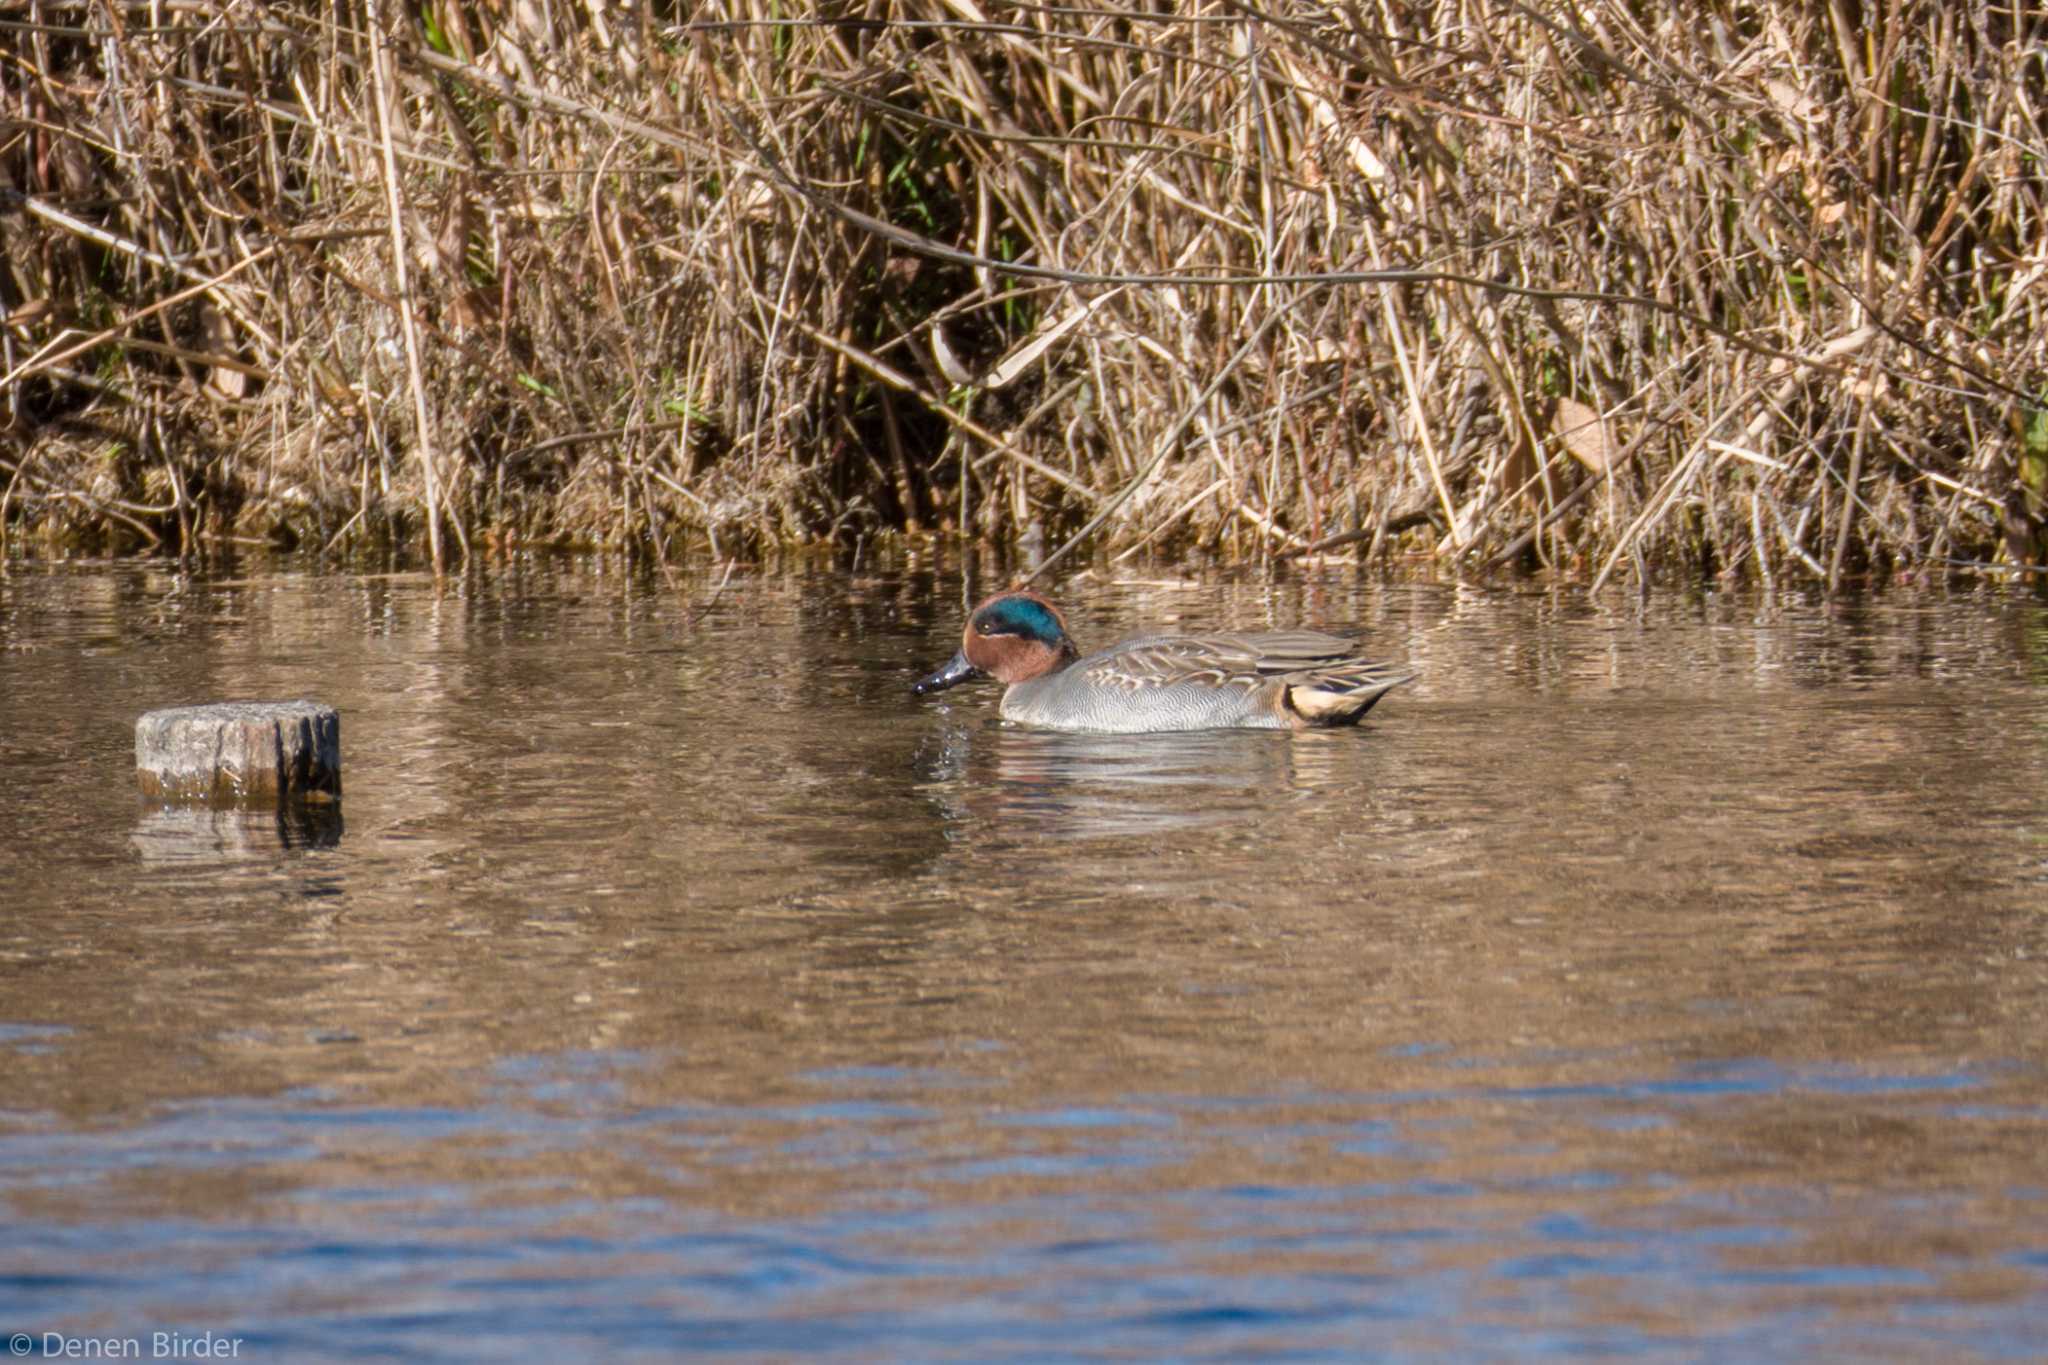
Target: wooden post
x,y
240,753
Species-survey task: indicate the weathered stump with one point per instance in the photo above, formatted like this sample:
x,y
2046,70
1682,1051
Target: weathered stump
x,y
240,753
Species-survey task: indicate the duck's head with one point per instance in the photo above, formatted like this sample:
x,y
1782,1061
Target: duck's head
x,y
1012,637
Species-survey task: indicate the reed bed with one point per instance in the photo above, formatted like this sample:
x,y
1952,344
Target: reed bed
x,y
1747,289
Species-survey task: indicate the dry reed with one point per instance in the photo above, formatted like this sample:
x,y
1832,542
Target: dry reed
x,y
1748,288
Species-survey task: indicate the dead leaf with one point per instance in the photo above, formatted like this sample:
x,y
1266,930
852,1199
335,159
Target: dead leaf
x,y
1792,101
1584,434
1022,357
219,335
1518,471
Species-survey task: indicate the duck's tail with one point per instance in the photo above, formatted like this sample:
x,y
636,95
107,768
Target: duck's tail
x,y
1342,695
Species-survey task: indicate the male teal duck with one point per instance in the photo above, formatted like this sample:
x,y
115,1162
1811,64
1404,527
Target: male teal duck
x,y
1283,680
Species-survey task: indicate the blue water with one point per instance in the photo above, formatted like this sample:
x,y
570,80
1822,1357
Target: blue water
x,y
1105,1250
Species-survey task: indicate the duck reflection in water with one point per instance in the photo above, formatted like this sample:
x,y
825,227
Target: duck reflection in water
x,y
1009,784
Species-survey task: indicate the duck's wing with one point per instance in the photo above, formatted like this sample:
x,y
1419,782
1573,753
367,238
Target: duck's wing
x,y
1246,661
1287,651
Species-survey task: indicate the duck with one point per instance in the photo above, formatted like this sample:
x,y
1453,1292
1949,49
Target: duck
x,y
1278,680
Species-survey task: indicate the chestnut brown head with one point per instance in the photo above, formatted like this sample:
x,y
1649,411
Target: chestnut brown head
x,y
1012,637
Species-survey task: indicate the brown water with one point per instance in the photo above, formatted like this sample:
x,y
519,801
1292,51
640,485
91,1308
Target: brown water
x,y
1657,977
